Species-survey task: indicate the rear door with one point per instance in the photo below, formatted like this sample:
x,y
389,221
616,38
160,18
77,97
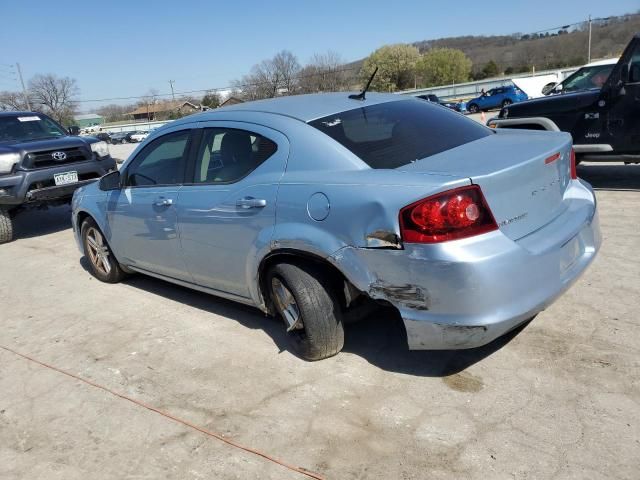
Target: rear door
x,y
142,215
227,210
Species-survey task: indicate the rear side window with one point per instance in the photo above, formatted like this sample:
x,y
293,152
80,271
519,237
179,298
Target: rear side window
x,y
393,134
227,155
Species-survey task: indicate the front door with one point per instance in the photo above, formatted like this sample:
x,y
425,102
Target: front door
x,y
142,215
227,214
623,87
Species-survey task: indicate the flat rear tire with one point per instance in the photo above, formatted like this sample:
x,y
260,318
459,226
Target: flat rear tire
x,y
306,301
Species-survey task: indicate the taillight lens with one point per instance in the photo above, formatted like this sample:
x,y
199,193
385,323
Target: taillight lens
x,y
574,173
451,215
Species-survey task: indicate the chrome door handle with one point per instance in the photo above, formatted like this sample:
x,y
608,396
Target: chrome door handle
x,y
164,202
250,202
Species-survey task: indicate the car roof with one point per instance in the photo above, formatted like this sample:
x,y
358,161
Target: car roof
x,y
608,61
304,107
17,114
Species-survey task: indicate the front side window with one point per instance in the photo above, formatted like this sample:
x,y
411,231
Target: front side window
x,y
28,127
587,78
162,162
226,155
394,134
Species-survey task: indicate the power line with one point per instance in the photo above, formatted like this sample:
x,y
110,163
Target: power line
x,y
565,27
217,89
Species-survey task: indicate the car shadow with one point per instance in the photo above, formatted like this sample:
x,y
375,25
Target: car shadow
x,y
603,176
36,222
380,339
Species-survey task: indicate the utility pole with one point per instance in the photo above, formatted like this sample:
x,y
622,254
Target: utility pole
x,y
589,53
24,90
171,82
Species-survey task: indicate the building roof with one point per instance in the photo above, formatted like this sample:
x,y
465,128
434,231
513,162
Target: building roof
x,y
88,116
231,101
161,107
312,106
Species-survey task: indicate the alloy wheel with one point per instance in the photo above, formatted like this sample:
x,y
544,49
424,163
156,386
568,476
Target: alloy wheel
x,y
286,305
98,251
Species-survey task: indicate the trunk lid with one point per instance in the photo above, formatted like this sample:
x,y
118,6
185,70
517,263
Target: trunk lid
x,y
523,175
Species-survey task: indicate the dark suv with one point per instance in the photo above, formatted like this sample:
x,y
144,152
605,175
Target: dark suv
x,y
604,122
42,164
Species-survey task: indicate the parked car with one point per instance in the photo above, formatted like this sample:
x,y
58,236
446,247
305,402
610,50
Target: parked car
x,y
604,122
592,76
430,97
41,164
314,206
138,136
121,137
499,97
104,136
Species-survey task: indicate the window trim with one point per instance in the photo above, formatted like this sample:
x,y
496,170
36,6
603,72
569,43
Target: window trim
x,y
185,159
191,172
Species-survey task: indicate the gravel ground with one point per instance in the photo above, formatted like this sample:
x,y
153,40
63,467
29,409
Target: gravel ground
x,y
558,399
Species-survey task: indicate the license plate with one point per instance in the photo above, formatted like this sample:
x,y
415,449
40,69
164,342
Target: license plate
x,y
65,178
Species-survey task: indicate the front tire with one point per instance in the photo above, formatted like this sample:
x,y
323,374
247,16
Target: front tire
x,y
473,108
303,297
102,263
6,226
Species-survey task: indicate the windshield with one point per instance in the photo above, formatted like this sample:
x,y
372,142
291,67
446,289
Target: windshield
x,y
586,78
393,134
28,127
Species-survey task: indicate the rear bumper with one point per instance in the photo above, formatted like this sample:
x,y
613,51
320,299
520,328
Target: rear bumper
x,y
466,293
25,186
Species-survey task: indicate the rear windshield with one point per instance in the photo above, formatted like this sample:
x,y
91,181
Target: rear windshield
x,y
393,134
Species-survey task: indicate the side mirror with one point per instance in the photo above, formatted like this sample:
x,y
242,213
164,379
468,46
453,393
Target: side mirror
x,y
110,181
548,88
74,130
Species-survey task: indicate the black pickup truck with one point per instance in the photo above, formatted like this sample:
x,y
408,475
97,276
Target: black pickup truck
x,y
604,122
42,164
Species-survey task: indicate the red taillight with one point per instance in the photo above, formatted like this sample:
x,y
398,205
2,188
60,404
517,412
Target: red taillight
x,y
574,174
451,215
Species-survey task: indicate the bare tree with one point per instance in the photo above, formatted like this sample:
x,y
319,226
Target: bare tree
x,y
115,113
287,68
270,78
55,95
324,73
149,98
12,101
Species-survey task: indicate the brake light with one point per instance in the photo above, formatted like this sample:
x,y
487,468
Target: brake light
x,y
574,173
459,213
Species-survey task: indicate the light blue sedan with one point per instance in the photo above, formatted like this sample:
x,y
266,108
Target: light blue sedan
x,y
314,207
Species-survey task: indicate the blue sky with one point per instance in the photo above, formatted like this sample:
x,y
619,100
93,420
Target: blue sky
x,y
118,49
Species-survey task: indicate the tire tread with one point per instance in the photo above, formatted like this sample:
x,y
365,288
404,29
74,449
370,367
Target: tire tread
x,y
319,307
6,226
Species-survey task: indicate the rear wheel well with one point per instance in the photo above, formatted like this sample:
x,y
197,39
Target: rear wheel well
x,y
345,291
